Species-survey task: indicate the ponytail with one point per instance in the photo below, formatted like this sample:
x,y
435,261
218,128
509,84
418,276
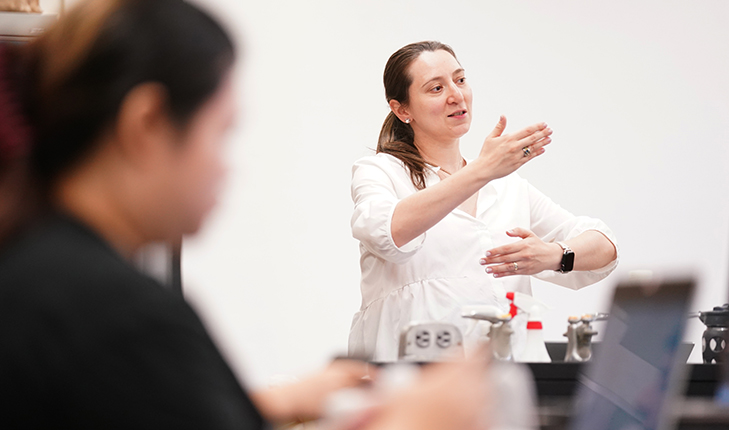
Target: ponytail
x,y
396,137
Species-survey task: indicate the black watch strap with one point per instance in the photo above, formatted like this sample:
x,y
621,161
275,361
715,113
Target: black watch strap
x,y
568,258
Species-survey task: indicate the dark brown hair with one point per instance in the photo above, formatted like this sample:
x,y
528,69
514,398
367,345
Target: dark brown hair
x,y
69,84
396,137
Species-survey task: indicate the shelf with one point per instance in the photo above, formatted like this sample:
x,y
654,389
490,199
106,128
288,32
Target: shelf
x,y
25,25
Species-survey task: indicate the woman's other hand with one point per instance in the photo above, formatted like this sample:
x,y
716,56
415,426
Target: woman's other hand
x,y
528,256
502,154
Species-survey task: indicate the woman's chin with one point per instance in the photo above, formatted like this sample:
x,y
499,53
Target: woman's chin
x,y
460,130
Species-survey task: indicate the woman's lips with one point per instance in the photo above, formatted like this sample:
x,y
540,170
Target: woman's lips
x,y
458,114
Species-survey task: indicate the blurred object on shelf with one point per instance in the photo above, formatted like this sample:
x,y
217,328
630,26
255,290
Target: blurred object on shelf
x,y
500,331
23,27
716,335
579,336
31,6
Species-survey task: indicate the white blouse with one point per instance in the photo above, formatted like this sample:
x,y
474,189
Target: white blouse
x,y
433,276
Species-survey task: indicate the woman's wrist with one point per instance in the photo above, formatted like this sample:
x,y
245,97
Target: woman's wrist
x,y
558,252
480,171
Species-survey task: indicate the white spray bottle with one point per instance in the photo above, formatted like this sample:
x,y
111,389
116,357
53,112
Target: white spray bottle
x,y
535,350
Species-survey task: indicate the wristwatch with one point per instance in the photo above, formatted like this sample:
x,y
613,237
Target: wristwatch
x,y
568,258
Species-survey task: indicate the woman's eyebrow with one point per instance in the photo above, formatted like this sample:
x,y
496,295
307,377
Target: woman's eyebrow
x,y
441,78
437,78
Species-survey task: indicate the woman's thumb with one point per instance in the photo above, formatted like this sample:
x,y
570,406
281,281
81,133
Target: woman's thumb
x,y
499,127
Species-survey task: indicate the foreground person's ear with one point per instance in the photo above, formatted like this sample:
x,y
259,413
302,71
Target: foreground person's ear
x,y
143,122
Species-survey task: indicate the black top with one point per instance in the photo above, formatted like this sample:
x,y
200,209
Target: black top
x,y
87,341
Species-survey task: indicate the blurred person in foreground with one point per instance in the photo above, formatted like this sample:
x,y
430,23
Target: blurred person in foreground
x,y
111,131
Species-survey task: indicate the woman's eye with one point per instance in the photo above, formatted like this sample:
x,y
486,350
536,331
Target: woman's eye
x,y
437,88
461,80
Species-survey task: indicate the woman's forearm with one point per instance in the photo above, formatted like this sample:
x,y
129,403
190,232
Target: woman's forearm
x,y
500,155
417,213
592,250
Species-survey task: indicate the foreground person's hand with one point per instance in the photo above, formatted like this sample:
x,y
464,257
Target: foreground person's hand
x,y
448,396
304,400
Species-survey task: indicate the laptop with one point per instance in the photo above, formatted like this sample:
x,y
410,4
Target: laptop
x,y
639,368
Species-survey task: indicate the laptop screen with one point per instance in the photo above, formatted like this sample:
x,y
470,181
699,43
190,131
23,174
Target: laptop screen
x,y
636,371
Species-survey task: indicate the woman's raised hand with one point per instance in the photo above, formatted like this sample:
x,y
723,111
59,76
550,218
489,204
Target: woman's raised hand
x,y
502,154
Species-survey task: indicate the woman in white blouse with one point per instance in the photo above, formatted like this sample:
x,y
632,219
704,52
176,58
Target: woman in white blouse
x,y
438,232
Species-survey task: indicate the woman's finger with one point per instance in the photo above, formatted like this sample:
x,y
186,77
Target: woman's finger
x,y
511,248
540,144
499,259
533,138
520,232
528,131
534,152
505,250
544,141
536,136
529,152
510,269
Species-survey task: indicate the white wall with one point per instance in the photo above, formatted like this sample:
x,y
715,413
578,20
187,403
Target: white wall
x,y
637,93
53,6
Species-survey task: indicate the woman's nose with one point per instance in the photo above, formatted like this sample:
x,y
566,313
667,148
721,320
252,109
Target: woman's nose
x,y
455,95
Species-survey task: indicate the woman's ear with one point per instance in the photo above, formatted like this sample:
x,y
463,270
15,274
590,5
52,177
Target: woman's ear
x,y
143,125
400,111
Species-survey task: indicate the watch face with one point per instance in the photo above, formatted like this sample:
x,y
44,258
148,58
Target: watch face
x,y
568,261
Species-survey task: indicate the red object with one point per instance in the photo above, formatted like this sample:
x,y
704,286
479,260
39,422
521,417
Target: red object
x,y
534,325
512,309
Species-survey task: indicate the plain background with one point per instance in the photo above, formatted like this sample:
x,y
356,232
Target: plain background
x,y
636,91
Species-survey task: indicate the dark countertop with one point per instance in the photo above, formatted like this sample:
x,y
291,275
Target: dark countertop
x,y
561,379
557,382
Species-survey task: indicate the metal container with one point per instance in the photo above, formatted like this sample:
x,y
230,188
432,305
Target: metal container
x,y
716,336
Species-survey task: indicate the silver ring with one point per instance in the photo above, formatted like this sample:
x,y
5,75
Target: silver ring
x,y
526,150
516,266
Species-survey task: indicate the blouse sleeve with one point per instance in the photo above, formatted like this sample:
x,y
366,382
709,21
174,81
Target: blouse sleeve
x,y
375,198
552,223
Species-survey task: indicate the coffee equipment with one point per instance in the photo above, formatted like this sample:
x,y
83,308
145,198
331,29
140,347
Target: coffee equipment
x,y
500,331
716,336
579,337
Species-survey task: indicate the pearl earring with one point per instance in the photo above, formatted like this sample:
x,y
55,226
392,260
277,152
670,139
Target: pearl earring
x,y
407,121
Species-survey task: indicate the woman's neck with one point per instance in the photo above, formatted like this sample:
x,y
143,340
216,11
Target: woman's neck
x,y
89,196
445,155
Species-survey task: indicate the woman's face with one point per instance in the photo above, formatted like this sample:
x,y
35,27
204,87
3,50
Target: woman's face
x,y
440,97
196,162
